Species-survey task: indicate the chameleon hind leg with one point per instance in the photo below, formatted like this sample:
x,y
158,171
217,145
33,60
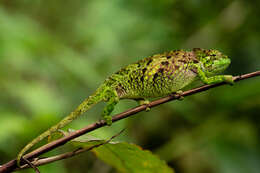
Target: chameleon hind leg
x,y
179,95
145,102
112,99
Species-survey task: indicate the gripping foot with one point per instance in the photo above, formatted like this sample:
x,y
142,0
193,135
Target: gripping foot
x,y
144,102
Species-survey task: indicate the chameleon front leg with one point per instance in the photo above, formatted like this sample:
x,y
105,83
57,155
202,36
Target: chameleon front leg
x,y
112,99
214,79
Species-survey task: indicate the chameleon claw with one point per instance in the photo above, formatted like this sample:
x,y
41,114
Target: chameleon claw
x,y
179,95
144,102
147,109
108,120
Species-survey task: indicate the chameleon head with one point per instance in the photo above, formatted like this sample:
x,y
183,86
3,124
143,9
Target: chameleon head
x,y
212,61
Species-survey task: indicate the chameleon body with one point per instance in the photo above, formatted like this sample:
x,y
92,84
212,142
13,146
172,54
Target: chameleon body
x,y
155,76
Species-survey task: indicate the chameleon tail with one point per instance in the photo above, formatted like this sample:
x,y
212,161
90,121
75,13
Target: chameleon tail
x,y
83,107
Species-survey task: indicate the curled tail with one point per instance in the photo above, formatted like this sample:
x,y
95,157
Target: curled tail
x,y
83,107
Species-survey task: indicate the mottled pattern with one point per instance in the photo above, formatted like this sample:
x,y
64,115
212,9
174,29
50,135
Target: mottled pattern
x,y
157,75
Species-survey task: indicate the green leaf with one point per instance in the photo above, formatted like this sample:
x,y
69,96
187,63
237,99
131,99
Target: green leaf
x,y
123,156
87,141
127,157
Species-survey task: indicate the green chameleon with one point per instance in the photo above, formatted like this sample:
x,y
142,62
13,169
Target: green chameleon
x,y
155,76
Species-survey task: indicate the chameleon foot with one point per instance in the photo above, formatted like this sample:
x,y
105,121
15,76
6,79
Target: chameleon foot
x,y
144,102
179,95
147,109
108,120
229,79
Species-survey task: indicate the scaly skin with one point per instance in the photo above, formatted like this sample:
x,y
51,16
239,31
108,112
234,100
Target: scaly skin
x,y
152,77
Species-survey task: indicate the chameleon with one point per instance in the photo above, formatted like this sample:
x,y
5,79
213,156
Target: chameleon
x,y
152,77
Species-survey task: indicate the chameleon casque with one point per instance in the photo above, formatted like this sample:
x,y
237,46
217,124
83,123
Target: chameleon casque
x,y
155,76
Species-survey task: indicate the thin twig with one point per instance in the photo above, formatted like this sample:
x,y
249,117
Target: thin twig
x,y
31,165
11,165
44,161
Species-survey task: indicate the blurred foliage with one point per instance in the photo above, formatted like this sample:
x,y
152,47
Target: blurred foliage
x,y
54,53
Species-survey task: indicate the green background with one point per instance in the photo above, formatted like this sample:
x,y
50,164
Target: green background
x,y
54,53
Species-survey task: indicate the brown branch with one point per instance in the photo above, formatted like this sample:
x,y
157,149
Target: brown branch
x,y
11,165
44,161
